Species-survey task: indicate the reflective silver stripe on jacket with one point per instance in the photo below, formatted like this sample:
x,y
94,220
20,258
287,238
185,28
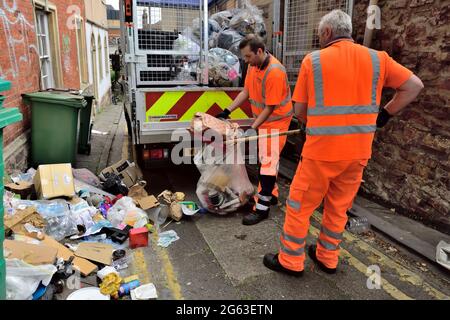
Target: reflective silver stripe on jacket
x,y
321,110
340,130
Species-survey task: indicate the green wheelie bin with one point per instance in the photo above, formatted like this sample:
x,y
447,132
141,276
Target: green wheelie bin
x,y
54,126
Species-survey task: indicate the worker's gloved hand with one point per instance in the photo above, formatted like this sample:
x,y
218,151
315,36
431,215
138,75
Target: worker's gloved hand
x,y
225,114
383,118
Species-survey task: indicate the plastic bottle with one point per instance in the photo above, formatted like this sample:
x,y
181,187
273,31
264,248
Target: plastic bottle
x,y
127,287
357,225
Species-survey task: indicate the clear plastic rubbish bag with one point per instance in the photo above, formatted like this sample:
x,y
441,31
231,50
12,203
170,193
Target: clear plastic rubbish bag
x,y
224,185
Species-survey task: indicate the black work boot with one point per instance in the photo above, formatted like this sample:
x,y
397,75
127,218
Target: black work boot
x,y
312,254
274,201
255,217
271,261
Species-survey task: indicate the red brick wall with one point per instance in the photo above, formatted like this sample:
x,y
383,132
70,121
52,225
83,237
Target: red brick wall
x,y
68,41
19,62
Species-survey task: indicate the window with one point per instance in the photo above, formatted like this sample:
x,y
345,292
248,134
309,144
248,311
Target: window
x,y
82,58
106,57
43,38
100,58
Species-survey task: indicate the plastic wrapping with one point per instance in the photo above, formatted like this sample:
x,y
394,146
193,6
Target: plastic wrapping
x,y
222,18
125,211
224,68
22,279
229,40
185,43
249,20
224,185
87,177
60,220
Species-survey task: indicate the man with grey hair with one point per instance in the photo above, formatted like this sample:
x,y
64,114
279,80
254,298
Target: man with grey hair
x,y
337,95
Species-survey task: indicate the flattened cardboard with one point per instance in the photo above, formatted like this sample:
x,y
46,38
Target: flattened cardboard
x,y
148,202
54,180
30,253
17,222
22,188
95,251
19,186
84,266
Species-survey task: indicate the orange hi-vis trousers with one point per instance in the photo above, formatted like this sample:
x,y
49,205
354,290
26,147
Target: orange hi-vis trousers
x,y
336,183
269,151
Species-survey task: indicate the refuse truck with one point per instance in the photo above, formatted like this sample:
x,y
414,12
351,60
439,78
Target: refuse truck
x,y
175,65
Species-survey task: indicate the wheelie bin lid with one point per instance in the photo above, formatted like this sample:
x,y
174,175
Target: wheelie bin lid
x,y
57,97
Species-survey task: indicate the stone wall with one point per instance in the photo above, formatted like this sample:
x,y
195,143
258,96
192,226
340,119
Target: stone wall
x,y
410,168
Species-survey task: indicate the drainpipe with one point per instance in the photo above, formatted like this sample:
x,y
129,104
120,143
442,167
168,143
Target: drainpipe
x,y
368,34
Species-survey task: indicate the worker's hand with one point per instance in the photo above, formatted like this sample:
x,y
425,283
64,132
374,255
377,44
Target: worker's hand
x,y
383,118
225,114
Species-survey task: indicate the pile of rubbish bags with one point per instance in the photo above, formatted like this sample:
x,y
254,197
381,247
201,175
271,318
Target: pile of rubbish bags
x,y
226,29
63,223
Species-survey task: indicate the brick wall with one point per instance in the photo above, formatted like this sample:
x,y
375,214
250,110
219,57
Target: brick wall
x,y
19,62
410,168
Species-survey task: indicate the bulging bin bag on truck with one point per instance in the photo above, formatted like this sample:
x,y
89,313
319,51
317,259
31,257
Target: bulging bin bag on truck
x,y
224,68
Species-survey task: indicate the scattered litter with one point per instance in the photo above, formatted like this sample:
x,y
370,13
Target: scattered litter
x,y
97,252
126,288
30,253
105,271
443,254
23,279
144,292
110,284
90,293
167,237
166,224
127,171
121,264
87,177
189,208
138,237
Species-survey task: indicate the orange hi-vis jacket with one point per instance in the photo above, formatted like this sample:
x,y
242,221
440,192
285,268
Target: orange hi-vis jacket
x,y
342,86
270,87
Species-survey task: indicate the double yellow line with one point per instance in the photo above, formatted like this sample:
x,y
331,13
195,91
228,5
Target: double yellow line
x,y
140,265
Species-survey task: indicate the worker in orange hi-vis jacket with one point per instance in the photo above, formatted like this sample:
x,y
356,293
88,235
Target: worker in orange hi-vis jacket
x,y
337,95
267,89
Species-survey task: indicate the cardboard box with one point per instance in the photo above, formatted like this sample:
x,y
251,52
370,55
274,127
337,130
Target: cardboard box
x,y
126,170
94,251
84,266
54,180
30,253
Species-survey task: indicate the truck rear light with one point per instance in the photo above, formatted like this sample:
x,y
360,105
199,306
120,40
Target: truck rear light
x,y
157,154
146,154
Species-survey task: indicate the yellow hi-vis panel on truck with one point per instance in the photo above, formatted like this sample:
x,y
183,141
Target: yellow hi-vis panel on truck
x,y
182,105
